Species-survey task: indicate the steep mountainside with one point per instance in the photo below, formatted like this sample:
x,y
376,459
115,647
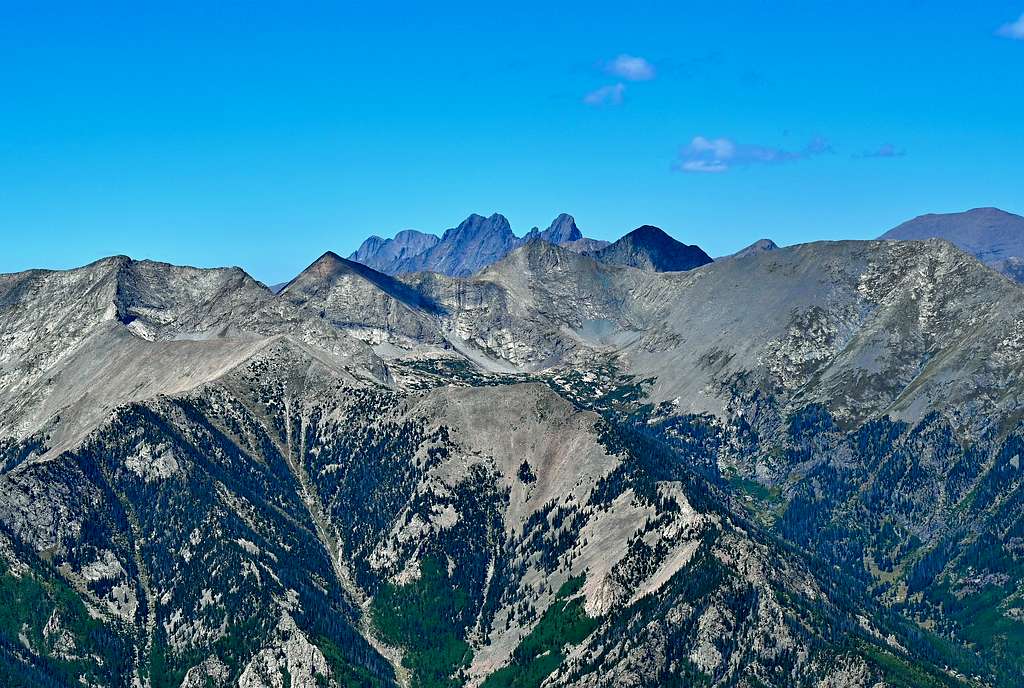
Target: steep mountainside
x,y
287,502
78,343
650,248
543,305
476,243
362,302
866,327
796,467
995,236
387,255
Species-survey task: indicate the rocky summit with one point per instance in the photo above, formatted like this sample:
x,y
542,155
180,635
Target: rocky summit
x,y
479,460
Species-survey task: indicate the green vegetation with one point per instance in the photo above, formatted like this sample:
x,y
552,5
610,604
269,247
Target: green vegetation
x,y
526,474
768,503
543,650
77,645
427,618
899,673
346,674
755,489
982,623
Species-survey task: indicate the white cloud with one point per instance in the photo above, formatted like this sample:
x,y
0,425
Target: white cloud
x,y
722,149
707,155
631,68
625,67
606,95
1014,30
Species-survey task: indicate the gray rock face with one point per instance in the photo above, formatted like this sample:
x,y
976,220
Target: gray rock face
x,y
805,321
994,236
290,661
538,307
476,243
369,305
649,248
80,342
585,245
816,323
388,255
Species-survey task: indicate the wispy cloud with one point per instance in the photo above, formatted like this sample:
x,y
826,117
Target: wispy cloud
x,y
606,95
626,68
707,155
631,68
886,150
1014,30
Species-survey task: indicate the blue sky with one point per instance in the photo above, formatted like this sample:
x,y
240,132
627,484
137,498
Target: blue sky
x,y
261,134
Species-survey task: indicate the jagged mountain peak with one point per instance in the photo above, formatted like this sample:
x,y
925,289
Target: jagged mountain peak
x,y
408,234
473,244
329,258
385,255
561,230
154,299
118,260
477,225
328,266
462,250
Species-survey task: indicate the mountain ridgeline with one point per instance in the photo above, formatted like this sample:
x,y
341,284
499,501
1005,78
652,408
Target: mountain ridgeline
x,y
994,236
490,461
482,241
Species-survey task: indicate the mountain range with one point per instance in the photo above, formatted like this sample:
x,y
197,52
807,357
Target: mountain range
x,y
481,241
994,236
499,461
